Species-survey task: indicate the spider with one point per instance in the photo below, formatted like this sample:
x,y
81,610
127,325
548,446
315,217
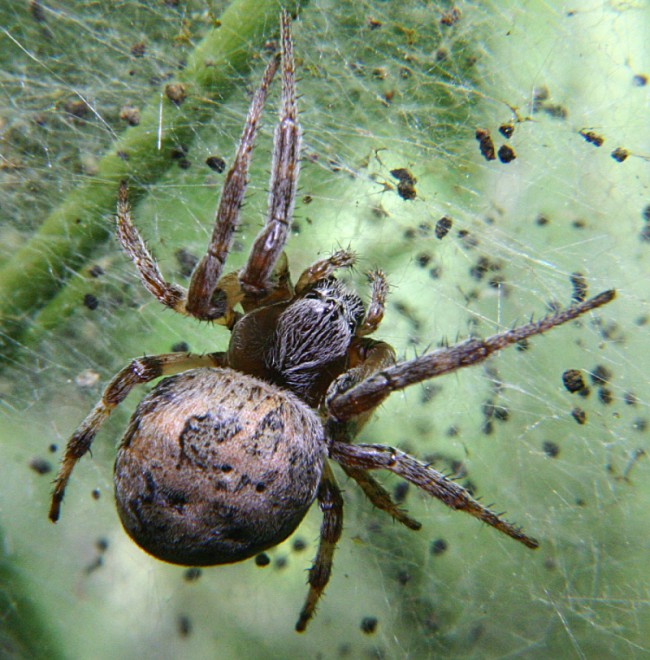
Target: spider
x,y
225,456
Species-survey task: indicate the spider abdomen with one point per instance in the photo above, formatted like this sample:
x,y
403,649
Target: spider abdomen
x,y
217,466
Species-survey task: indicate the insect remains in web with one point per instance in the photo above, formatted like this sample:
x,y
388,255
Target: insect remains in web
x,y
224,457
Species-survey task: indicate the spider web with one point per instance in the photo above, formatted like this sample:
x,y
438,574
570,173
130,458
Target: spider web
x,y
384,86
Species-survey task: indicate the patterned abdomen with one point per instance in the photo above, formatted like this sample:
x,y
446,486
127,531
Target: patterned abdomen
x,y
217,466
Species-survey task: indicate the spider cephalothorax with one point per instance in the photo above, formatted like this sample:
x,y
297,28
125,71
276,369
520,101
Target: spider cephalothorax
x,y
224,459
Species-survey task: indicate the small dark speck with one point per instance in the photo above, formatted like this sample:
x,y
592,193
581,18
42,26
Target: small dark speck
x,y
619,154
101,544
260,487
506,154
216,163
443,226
178,151
138,49
630,399
600,375
592,138
262,560
549,564
36,10
40,465
640,80
400,492
438,547
579,415
506,130
406,183
486,145
551,449
299,545
640,424
184,625
369,624
501,413
605,395
96,493
53,448
541,220
555,110
176,93
192,574
451,17
404,577
573,381
96,271
180,347
280,563
91,301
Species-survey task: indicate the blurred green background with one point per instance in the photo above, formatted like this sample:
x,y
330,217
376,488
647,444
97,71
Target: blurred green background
x,y
383,85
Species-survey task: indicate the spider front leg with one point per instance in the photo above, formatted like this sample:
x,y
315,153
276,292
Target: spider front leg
x,y
268,245
330,502
205,278
324,268
368,394
139,371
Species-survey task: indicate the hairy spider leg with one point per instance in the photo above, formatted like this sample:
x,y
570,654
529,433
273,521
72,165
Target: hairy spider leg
x,y
375,312
169,294
285,168
138,371
206,275
380,457
324,268
330,502
379,496
368,394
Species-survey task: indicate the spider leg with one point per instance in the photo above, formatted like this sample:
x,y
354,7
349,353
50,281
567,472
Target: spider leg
x,y
379,457
375,312
365,357
330,502
169,294
205,278
324,268
379,496
366,395
138,371
284,176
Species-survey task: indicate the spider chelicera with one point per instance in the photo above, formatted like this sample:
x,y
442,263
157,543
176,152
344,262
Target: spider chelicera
x,y
224,459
